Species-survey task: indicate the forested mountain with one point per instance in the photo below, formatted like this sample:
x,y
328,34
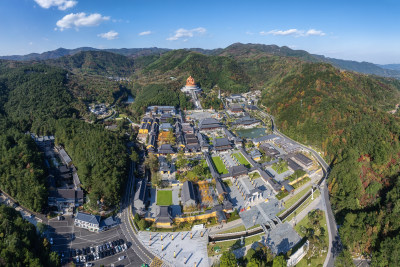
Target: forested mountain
x,y
237,49
208,70
96,63
343,115
61,52
391,66
20,245
37,97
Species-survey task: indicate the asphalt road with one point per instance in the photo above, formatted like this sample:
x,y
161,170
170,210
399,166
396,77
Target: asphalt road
x,y
66,236
335,245
141,252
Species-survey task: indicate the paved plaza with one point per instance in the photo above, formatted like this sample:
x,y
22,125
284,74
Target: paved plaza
x,y
200,115
262,213
282,238
237,199
188,251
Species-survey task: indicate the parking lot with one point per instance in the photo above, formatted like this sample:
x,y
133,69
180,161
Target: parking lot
x,y
104,248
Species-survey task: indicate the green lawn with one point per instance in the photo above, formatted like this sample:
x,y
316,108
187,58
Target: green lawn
x,y
303,206
226,245
302,182
280,167
219,165
241,159
233,230
314,261
288,203
164,198
121,116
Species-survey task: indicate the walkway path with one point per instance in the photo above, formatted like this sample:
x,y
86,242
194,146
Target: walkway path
x,y
315,204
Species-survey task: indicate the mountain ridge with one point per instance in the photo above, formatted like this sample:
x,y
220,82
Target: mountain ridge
x,y
390,70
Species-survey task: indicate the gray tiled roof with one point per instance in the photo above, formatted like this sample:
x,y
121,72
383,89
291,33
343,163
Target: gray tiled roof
x,y
164,215
86,217
211,166
303,159
209,123
219,185
110,221
166,149
140,193
219,142
188,192
238,170
293,165
67,160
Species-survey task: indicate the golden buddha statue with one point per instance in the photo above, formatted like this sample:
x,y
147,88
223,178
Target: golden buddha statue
x,y
190,81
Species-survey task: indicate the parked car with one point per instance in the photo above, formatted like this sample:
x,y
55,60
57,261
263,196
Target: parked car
x,y
121,258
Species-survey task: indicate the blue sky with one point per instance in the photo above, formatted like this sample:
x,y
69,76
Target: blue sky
x,y
359,30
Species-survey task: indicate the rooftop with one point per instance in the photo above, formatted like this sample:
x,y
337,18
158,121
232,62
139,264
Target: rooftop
x,y
303,159
86,217
218,142
166,149
247,120
164,215
209,123
238,170
187,192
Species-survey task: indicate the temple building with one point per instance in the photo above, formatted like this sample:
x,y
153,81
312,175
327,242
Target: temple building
x,y
190,86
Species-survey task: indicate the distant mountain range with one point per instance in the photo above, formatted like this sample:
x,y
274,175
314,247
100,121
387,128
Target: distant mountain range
x,y
391,66
236,50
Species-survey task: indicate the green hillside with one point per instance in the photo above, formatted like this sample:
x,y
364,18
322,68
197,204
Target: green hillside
x,y
208,71
343,115
20,244
253,51
39,98
96,63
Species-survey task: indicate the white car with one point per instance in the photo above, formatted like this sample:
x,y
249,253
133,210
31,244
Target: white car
x,y
121,258
89,264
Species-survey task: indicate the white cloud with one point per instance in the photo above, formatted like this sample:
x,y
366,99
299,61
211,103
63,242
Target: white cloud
x,y
294,32
279,32
145,33
80,20
60,4
186,33
315,32
111,35
249,33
